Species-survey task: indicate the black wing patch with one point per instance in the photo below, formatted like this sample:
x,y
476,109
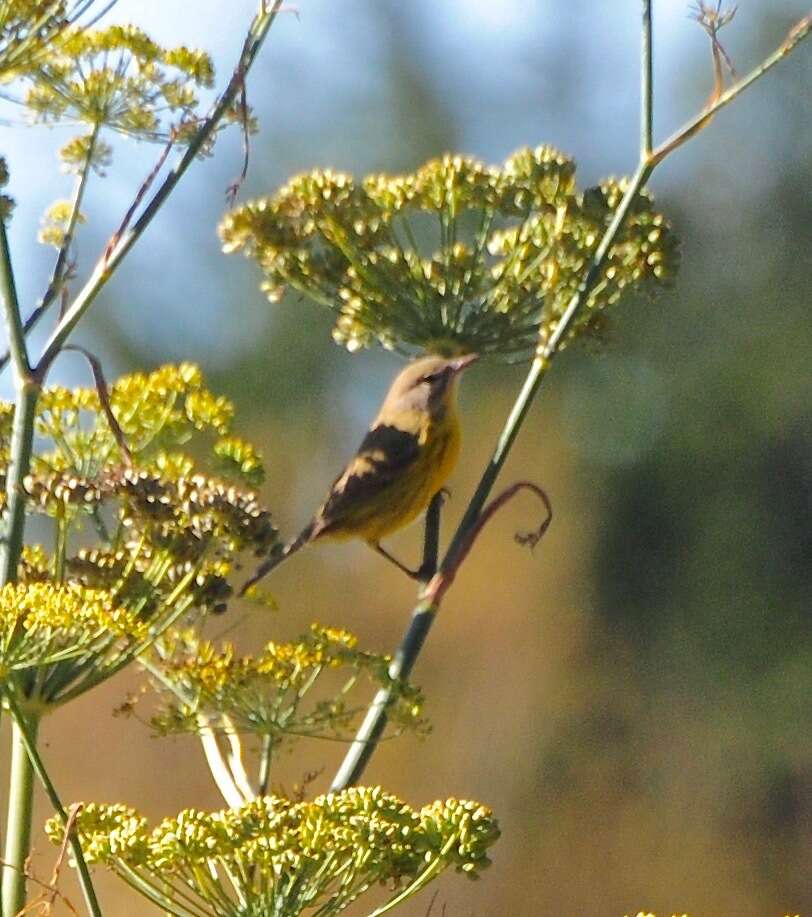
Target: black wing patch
x,y
385,453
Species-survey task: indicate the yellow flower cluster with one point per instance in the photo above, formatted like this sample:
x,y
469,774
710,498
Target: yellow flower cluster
x,y
277,856
55,223
46,630
457,256
119,78
28,29
267,694
156,411
163,521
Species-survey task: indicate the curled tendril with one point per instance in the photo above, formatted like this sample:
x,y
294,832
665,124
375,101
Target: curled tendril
x,y
456,257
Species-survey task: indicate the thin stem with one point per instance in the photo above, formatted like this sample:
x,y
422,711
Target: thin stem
x,y
235,760
265,756
60,265
796,34
431,537
22,435
22,440
371,729
219,769
11,308
646,86
18,823
28,739
112,257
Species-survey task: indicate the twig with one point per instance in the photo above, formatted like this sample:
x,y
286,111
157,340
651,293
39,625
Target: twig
x,y
61,269
110,260
441,582
104,398
50,890
23,426
140,195
234,188
646,85
794,37
39,768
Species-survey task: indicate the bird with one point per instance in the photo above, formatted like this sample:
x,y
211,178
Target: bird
x,y
405,458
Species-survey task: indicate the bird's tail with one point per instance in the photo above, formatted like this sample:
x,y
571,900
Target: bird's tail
x,y
276,558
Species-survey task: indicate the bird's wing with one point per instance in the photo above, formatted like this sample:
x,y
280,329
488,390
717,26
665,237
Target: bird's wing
x,y
385,454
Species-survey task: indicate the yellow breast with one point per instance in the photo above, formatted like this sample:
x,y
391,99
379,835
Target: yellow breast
x,y
438,457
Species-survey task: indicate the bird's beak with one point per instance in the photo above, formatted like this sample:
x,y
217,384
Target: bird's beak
x,y
460,363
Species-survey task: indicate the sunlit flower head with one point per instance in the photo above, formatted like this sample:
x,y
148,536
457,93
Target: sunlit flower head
x,y
55,636
277,856
132,512
456,257
288,690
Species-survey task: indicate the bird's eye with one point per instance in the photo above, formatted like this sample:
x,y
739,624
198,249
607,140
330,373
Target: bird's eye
x,y
429,378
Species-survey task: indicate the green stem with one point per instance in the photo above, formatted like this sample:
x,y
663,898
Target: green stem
x,y
22,439
61,263
646,86
22,433
374,723
11,308
25,730
266,753
18,822
110,260
796,34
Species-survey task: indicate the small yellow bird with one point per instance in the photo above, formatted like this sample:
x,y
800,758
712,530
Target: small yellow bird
x,y
404,460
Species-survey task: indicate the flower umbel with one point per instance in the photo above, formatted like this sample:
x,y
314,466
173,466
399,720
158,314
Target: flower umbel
x,y
456,257
29,30
278,694
120,78
277,856
147,534
54,636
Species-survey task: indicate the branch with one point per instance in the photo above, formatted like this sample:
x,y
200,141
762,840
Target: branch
x,y
11,308
59,273
646,85
22,433
110,259
29,742
795,36
423,615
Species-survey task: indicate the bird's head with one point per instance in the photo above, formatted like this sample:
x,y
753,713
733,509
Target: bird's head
x,y
426,386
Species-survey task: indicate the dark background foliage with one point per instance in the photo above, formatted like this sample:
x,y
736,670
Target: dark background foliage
x,y
632,699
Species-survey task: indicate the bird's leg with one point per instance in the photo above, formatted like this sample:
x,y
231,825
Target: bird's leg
x,y
419,574
431,536
431,541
